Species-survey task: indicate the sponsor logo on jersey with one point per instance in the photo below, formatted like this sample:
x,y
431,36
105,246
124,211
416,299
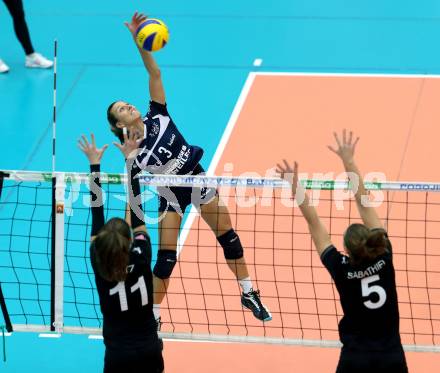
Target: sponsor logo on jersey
x,y
170,142
154,129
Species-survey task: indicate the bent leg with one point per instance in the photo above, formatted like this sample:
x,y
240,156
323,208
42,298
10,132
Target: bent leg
x,y
216,215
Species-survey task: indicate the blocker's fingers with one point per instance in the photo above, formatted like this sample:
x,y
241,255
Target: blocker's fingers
x,y
337,139
86,142
288,168
280,169
332,149
81,145
356,141
93,140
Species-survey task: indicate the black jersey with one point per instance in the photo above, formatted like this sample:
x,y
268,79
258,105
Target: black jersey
x,y
127,307
163,148
369,300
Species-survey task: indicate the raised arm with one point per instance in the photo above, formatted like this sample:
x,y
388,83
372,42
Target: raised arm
x,y
94,156
319,233
134,214
157,91
345,151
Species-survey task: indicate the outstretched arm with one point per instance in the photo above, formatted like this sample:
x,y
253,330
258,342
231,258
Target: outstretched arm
x,y
345,151
94,156
157,91
319,233
135,214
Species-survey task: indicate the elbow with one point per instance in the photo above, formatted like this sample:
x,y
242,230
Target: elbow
x,y
155,74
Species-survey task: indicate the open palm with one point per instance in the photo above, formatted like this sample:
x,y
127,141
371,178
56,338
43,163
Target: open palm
x,y
346,148
93,153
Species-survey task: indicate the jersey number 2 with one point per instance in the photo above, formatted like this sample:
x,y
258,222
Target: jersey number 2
x,y
368,289
120,289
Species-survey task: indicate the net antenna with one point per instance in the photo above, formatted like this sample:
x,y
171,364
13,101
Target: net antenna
x,y
57,250
54,125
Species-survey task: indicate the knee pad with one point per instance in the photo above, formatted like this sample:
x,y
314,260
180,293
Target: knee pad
x,y
166,260
231,244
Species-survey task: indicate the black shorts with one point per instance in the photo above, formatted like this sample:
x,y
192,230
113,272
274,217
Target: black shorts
x,y
177,199
145,359
372,361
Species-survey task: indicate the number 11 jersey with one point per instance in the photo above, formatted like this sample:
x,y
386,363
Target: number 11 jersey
x,y
127,306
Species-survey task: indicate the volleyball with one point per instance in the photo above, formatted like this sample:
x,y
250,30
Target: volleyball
x,y
152,35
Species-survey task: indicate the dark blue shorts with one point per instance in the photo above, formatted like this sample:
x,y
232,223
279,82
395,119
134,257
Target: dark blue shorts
x,y
177,199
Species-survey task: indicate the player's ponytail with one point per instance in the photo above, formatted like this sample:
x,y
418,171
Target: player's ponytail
x,y
364,244
112,245
112,120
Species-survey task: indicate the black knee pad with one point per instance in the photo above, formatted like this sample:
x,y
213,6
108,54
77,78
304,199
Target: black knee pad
x,y
231,245
166,260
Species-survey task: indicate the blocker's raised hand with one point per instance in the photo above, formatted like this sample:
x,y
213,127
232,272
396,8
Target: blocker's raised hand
x,y
93,153
345,148
289,174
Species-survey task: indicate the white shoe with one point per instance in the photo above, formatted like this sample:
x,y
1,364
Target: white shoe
x,y
3,67
38,61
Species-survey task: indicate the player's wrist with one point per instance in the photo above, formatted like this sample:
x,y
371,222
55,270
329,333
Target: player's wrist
x,y
95,167
348,162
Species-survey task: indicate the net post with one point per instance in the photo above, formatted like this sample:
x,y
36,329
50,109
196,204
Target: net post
x,y
57,257
2,298
5,312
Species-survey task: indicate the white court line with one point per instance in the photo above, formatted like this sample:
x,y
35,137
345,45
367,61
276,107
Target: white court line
x,y
347,75
49,335
218,153
93,336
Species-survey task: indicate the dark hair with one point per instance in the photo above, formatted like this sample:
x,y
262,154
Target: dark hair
x,y
112,246
363,244
112,121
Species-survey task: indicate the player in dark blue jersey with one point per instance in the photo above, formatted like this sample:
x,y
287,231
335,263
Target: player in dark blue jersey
x,y
364,276
163,150
121,260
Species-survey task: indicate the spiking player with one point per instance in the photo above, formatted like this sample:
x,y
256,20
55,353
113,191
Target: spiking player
x,y
364,277
164,150
121,261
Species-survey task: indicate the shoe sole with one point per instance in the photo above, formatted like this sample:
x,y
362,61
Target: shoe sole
x,y
269,318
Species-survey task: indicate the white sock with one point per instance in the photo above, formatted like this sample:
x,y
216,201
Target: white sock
x,y
156,311
246,284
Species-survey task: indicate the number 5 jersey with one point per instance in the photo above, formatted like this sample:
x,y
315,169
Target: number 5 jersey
x,y
368,298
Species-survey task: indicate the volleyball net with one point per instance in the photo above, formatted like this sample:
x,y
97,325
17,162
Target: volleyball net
x,y
47,283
